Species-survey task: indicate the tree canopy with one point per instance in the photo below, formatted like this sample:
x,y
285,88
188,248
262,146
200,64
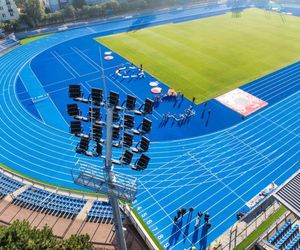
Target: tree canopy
x,y
20,235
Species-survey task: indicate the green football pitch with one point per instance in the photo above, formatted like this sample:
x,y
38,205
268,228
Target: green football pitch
x,y
211,56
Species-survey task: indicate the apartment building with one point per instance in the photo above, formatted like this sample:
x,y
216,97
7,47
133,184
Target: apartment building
x,y
55,5
8,10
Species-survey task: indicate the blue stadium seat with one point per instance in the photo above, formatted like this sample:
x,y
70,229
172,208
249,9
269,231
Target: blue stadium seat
x,y
101,211
6,44
8,185
51,203
280,232
294,230
293,243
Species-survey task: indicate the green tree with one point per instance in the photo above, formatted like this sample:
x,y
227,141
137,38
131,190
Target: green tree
x,y
69,12
78,4
34,11
20,236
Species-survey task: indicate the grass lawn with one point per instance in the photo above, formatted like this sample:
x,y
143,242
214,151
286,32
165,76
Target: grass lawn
x,y
208,57
31,39
262,228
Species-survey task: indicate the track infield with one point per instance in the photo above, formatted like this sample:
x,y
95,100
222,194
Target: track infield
x,y
208,57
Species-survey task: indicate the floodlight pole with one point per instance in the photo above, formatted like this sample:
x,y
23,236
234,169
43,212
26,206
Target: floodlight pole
x,y
112,192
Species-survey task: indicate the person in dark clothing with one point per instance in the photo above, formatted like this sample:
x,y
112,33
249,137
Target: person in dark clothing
x,y
191,209
199,214
206,217
178,213
208,225
175,219
194,99
183,211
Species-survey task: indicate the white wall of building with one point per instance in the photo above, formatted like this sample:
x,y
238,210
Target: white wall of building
x,y
55,5
8,10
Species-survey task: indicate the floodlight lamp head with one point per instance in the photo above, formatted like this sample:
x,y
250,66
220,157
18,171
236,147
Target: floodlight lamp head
x,y
114,98
130,102
75,91
148,106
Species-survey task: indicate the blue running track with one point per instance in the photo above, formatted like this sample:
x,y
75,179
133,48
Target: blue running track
x,y
214,165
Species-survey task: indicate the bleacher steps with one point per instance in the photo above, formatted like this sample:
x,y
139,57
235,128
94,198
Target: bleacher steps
x,y
11,196
84,211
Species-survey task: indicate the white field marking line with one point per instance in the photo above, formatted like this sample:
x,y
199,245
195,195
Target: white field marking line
x,y
280,126
175,171
31,99
83,56
14,124
67,136
210,181
87,58
277,87
195,178
247,190
286,89
38,153
258,120
272,94
50,92
203,201
91,29
273,152
17,55
229,217
237,128
247,144
215,159
247,156
195,171
285,71
124,87
264,135
72,68
167,215
26,111
30,142
117,65
31,163
162,152
48,96
169,153
178,157
32,170
279,82
58,82
182,169
277,108
58,111
219,179
61,61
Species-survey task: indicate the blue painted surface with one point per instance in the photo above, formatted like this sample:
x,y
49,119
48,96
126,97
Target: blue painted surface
x,y
217,172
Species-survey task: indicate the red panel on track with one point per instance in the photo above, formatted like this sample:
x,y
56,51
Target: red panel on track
x,y
241,102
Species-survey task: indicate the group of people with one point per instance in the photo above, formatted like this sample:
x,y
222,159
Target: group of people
x,y
181,118
131,72
181,212
169,96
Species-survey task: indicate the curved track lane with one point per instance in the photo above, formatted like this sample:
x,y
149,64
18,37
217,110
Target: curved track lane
x,y
218,173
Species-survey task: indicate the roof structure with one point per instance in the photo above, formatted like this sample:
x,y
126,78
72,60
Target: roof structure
x,y
289,193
